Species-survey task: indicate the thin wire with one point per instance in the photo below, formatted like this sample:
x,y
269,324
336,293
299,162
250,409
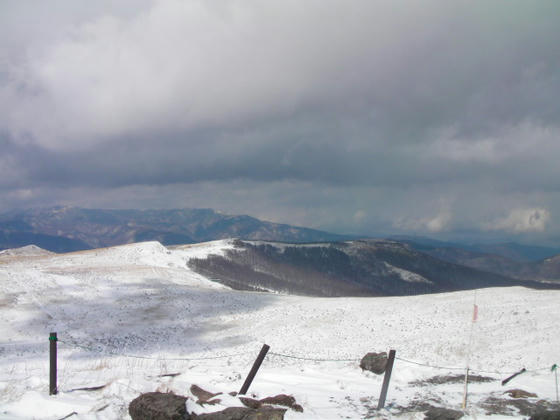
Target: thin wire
x,y
312,359
134,356
427,365
462,368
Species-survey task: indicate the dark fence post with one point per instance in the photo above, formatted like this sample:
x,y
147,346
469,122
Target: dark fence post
x,y
52,377
386,379
254,369
505,381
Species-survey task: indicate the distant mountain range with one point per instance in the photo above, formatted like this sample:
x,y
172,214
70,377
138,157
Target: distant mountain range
x,y
65,229
351,268
524,262
510,250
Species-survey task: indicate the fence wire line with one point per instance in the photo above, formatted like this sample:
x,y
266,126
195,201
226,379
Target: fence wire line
x,y
312,359
74,344
428,365
406,361
134,356
15,343
464,368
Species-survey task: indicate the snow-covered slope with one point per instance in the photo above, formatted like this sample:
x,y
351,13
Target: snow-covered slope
x,y
335,269
28,250
130,315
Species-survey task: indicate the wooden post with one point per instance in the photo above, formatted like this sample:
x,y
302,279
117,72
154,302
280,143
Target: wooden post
x,y
556,373
466,389
254,369
474,319
386,379
554,369
52,377
505,381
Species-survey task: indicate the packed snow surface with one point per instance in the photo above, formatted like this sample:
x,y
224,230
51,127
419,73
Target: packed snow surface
x,y
25,251
407,275
281,246
131,317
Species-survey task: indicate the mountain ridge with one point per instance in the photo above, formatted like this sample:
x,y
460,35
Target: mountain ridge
x,y
350,268
65,229
61,229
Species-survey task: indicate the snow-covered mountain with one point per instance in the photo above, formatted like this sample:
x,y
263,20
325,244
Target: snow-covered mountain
x,y
350,268
545,270
66,229
137,318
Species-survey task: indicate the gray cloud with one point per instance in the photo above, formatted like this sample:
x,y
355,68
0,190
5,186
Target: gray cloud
x,y
349,116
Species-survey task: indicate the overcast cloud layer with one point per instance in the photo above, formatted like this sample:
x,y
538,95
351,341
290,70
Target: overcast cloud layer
x,y
432,117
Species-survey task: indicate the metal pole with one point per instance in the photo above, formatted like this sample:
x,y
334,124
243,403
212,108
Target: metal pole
x,y
254,369
52,376
556,373
465,392
386,379
474,318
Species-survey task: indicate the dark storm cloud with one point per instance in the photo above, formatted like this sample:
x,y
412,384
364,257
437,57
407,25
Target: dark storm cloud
x,y
443,103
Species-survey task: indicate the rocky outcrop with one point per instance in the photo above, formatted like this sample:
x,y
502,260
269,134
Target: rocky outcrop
x,y
204,397
374,362
439,413
281,399
161,406
158,406
520,393
243,413
546,415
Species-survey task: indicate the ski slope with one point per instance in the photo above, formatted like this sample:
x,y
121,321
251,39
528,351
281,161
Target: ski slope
x,y
128,317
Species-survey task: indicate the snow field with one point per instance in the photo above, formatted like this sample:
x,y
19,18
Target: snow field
x,y
124,314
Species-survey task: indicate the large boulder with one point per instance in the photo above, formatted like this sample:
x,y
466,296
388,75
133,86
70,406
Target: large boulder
x,y
283,400
440,413
203,395
520,393
242,413
546,415
158,406
374,362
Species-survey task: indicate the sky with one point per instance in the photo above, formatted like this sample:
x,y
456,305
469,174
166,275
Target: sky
x,y
430,118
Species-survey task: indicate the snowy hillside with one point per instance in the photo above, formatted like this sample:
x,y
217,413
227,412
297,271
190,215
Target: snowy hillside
x,y
358,268
131,317
25,251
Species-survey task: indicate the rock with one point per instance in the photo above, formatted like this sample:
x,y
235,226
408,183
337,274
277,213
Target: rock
x,y
210,402
297,407
374,362
250,402
158,406
281,399
439,413
284,400
202,395
242,413
519,393
546,415
253,410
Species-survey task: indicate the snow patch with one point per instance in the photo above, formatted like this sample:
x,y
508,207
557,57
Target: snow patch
x,y
204,249
26,251
406,275
281,246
